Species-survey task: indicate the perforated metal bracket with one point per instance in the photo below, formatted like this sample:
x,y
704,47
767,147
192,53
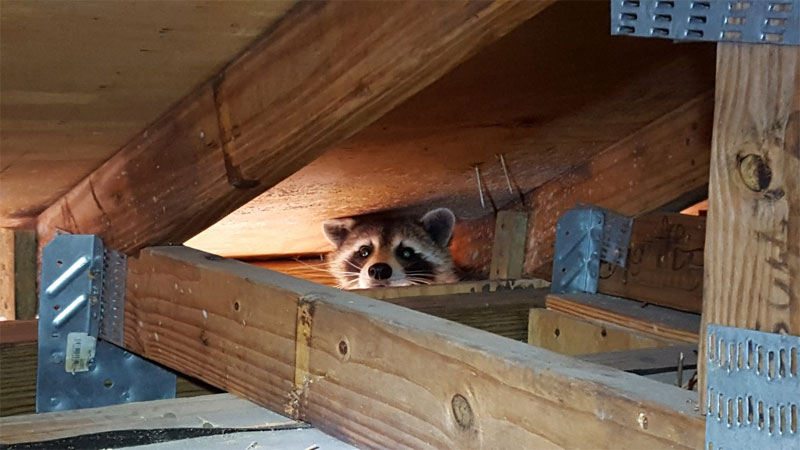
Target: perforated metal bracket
x,y
81,300
753,388
586,235
744,21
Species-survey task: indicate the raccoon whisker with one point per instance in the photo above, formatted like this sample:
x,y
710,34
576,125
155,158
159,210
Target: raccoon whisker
x,y
419,280
319,269
352,264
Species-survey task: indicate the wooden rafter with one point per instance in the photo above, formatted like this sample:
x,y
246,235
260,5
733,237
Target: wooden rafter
x,y
323,72
380,375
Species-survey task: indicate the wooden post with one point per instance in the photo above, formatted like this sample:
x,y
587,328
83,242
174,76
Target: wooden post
x,y
752,255
17,274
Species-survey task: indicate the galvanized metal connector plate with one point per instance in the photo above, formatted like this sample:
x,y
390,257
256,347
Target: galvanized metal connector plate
x,y
586,235
748,21
82,287
753,389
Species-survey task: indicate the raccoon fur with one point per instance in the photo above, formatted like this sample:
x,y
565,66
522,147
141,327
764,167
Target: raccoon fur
x,y
397,252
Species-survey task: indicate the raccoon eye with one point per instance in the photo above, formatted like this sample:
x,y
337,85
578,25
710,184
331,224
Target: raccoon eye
x,y
405,252
364,251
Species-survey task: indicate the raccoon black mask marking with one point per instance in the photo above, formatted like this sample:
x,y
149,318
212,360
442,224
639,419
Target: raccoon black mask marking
x,y
398,252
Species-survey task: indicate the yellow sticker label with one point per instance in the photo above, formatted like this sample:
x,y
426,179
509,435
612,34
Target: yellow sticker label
x,y
80,350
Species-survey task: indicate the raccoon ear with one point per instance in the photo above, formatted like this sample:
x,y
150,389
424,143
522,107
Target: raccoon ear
x,y
336,230
439,224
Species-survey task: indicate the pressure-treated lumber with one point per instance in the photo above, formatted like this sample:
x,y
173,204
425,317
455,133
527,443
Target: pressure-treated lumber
x,y
380,375
17,274
508,250
323,72
752,255
650,319
664,265
650,168
571,335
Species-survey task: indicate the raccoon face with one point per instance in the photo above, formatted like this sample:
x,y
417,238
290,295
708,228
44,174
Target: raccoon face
x,y
403,252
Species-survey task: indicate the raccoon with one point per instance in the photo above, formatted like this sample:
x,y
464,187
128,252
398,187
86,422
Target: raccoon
x,y
398,252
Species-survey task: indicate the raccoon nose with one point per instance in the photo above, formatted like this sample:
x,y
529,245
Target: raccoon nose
x,y
380,271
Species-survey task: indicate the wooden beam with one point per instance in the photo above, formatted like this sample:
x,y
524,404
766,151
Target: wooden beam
x,y
650,319
665,263
323,72
570,335
17,274
380,375
657,164
508,250
752,252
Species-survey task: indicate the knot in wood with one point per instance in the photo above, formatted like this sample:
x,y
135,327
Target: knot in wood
x,y
462,412
755,172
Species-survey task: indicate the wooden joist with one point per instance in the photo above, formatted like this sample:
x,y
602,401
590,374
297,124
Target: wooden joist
x,y
571,335
380,375
650,319
665,263
508,250
752,255
17,274
323,72
630,177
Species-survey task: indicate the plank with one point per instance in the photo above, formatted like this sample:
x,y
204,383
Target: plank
x,y
323,72
379,375
66,109
207,411
627,177
752,252
18,271
651,319
508,250
665,263
570,335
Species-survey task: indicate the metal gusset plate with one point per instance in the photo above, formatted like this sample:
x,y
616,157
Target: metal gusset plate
x,y
75,369
749,21
586,235
753,388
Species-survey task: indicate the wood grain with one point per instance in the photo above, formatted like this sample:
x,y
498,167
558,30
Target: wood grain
x,y
381,375
665,263
208,411
68,102
629,177
570,335
752,252
323,72
654,320
18,273
596,90
508,250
